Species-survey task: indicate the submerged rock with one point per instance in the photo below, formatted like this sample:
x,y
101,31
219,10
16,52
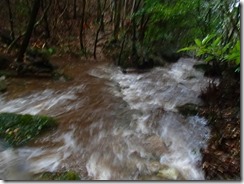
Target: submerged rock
x,y
161,172
169,173
155,145
12,166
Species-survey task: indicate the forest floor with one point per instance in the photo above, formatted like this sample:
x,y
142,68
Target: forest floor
x,y
221,158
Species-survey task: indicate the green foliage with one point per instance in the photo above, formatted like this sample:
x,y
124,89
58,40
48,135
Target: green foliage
x,y
234,54
68,175
172,23
50,50
45,52
17,129
220,18
212,49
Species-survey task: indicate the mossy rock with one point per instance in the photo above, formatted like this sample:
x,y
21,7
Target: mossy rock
x,y
188,109
67,175
18,129
3,85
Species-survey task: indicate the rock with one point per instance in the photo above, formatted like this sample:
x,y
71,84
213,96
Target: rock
x,y
12,166
3,85
188,109
161,172
202,67
154,166
169,173
155,145
149,177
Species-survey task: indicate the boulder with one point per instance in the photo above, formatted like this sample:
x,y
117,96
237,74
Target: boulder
x,y
3,85
188,109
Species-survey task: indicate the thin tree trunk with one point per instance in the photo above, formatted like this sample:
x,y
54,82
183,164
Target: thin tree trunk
x,y
117,17
121,50
96,40
101,26
112,10
45,18
100,15
82,25
124,14
11,21
14,42
143,26
134,37
29,30
134,53
133,7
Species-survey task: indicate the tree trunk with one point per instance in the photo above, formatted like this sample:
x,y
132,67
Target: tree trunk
x,y
11,21
82,25
100,28
117,17
100,15
29,30
45,18
134,54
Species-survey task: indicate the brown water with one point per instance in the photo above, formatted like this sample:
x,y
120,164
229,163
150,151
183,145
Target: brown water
x,y
112,126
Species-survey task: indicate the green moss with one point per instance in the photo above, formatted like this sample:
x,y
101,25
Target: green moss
x,y
17,129
188,109
67,175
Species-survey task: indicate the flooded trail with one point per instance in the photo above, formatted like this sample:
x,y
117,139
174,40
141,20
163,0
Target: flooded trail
x,y
115,126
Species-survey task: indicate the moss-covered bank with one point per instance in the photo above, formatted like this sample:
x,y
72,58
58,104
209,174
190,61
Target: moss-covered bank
x,y
18,129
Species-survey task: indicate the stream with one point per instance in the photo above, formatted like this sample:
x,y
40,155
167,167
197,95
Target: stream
x,y
113,126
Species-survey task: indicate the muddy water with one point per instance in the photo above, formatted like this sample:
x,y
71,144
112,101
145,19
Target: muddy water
x,y
113,126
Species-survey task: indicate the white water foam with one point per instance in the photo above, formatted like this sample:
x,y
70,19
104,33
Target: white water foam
x,y
45,102
125,150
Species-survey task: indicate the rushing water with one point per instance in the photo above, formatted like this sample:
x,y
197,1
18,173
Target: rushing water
x,y
115,126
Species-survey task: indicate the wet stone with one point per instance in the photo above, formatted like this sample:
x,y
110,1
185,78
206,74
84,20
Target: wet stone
x,y
188,109
155,145
3,85
169,173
